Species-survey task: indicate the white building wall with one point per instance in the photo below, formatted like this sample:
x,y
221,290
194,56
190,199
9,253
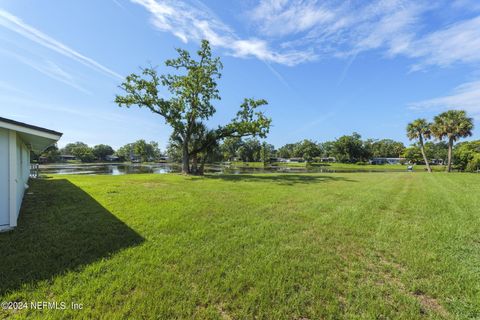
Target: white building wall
x,y
13,179
26,164
4,178
15,145
23,167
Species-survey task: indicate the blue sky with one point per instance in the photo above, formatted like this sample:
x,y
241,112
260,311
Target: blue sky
x,y
327,68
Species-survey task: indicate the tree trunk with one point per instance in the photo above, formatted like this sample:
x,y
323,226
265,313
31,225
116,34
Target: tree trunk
x,y
202,165
185,159
450,147
422,149
194,168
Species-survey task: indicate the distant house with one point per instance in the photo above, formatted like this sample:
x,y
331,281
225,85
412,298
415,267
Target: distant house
x,y
111,158
295,160
42,159
135,159
17,140
67,157
328,159
381,160
437,162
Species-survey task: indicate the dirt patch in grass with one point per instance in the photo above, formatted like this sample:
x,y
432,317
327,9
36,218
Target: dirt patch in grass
x,y
391,271
223,313
388,272
432,304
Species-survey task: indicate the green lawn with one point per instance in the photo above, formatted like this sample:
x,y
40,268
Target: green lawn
x,y
313,246
373,167
340,166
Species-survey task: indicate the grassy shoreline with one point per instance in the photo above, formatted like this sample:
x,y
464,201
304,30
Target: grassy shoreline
x,y
339,166
294,165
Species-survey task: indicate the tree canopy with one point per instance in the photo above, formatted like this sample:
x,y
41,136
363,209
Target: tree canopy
x,y
452,125
350,148
185,99
467,155
101,151
80,150
420,130
139,150
386,148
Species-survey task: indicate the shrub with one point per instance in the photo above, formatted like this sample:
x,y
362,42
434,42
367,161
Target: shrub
x,y
474,164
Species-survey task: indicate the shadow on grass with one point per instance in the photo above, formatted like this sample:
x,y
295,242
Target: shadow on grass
x,y
284,179
60,228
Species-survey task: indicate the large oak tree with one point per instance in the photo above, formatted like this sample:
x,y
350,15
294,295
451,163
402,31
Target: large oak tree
x,y
189,103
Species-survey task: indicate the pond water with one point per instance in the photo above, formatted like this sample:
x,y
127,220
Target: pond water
x,y
160,168
109,169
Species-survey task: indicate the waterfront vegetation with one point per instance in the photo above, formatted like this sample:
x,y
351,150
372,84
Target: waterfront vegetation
x,y
253,154
285,246
337,166
225,168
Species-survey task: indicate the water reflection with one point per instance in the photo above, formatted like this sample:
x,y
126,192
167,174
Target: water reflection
x,y
160,168
108,169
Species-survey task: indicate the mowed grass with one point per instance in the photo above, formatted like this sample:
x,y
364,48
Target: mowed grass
x,y
313,246
378,167
340,166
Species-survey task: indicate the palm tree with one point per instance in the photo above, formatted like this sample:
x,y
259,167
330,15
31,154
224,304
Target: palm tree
x,y
420,130
453,125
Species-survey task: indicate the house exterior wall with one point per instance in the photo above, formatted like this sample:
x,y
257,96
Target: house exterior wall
x,y
13,179
4,179
23,172
16,141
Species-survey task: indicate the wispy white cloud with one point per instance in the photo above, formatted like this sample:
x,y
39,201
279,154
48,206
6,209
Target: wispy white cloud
x,y
290,32
8,88
191,22
465,97
281,17
59,116
459,42
345,69
48,68
15,24
10,102
52,70
118,4
348,28
315,122
470,5
336,28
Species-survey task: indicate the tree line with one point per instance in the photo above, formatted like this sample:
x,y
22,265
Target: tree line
x,y
139,150
346,149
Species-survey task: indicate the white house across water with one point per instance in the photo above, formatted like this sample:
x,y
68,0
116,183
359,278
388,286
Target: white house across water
x,y
16,141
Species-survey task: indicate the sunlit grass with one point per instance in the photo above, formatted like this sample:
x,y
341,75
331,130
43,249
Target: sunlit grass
x,y
313,246
339,166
